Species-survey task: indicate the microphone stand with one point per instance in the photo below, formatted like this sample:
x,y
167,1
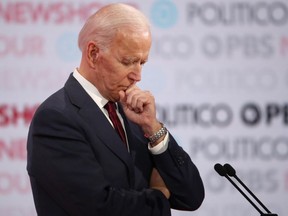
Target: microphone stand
x,y
231,172
226,171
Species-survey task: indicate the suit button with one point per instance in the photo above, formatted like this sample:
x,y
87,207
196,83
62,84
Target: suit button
x,y
180,161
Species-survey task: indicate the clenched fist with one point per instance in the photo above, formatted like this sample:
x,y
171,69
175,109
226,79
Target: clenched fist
x,y
139,107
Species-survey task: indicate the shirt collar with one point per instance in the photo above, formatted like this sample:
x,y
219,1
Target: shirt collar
x,y
90,89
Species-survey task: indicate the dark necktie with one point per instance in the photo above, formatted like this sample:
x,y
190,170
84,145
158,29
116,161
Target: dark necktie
x,y
111,108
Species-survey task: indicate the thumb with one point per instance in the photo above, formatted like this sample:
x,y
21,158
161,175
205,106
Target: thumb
x,y
122,96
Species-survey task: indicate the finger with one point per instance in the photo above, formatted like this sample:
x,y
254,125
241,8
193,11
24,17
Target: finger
x,y
140,106
132,96
138,101
122,97
131,88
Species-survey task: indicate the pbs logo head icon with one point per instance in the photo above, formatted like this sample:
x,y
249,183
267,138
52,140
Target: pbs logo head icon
x,y
164,13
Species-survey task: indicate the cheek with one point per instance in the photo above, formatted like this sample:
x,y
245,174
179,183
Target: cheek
x,y
113,73
114,79
117,74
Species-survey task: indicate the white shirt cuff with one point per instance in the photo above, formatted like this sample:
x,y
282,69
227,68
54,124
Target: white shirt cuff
x,y
160,147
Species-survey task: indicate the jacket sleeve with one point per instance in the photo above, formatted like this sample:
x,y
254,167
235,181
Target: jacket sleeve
x,y
181,176
64,170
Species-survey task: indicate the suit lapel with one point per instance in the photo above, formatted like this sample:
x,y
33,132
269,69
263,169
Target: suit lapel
x,y
92,114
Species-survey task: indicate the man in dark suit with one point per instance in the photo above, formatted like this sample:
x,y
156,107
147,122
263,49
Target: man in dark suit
x,y
88,158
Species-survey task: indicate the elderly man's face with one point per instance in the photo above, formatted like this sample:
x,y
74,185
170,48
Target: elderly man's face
x,y
120,66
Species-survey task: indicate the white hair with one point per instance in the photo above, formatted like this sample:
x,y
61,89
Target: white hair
x,y
102,26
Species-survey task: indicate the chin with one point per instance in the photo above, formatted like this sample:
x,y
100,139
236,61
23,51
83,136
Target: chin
x,y
115,98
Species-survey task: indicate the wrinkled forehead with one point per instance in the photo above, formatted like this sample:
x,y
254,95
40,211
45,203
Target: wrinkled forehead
x,y
127,37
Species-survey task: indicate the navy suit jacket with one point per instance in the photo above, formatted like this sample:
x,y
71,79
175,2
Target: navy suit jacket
x,y
79,166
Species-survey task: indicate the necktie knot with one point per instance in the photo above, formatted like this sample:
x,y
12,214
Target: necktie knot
x,y
110,106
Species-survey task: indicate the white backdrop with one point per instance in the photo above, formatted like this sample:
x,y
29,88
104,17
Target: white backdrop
x,y
218,70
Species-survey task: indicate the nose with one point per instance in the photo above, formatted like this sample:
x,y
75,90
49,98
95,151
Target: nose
x,y
135,75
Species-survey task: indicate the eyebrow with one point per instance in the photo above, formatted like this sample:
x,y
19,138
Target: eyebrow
x,y
133,59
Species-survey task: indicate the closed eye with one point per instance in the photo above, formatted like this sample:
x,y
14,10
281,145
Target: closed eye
x,y
143,62
127,62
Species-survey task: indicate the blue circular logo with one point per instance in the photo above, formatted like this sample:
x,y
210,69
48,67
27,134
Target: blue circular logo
x,y
164,13
67,48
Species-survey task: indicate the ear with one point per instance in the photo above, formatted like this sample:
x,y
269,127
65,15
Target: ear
x,y
92,53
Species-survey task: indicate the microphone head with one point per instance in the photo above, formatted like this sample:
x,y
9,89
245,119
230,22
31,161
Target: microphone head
x,y
220,169
229,170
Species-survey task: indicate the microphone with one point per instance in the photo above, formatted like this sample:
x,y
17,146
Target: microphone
x,y
227,170
231,172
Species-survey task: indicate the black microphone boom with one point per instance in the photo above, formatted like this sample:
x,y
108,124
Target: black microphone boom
x,y
226,171
222,172
231,172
